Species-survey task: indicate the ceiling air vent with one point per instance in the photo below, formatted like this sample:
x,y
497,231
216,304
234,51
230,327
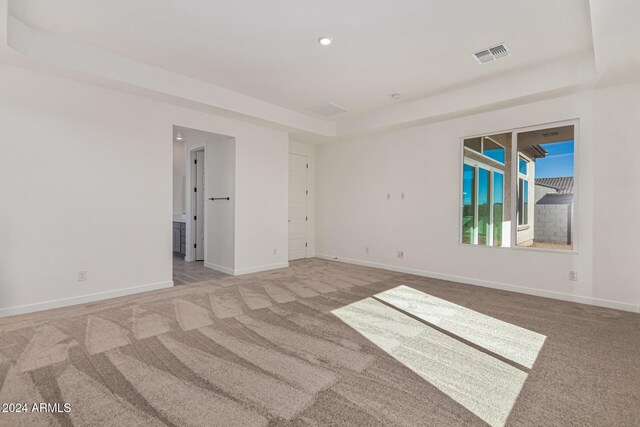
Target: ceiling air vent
x,y
491,54
328,109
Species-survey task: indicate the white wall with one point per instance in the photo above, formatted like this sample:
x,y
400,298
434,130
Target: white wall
x,y
220,160
262,182
309,151
616,194
354,177
86,176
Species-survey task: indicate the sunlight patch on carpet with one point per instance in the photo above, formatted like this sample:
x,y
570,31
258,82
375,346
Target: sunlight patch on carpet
x,y
483,384
510,341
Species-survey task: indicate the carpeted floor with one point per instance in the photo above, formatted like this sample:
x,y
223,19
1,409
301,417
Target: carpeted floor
x,y
323,343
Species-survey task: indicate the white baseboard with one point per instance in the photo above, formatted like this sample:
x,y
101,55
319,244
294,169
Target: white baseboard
x,y
494,285
64,302
220,268
249,270
261,268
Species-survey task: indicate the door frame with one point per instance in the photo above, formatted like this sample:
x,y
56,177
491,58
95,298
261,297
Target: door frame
x,y
190,253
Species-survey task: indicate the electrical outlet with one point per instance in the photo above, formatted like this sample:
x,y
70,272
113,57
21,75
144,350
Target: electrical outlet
x,y
400,254
275,251
366,250
82,275
388,196
573,276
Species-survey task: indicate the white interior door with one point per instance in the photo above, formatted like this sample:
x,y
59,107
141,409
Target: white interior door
x,y
298,216
199,206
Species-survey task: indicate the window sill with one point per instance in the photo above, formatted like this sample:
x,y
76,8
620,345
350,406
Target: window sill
x,y
573,251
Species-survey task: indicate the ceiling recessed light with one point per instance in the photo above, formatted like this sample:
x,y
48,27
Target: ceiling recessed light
x,y
179,138
325,41
396,95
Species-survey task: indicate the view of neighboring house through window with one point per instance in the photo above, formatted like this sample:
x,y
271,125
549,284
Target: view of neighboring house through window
x,y
536,191
547,192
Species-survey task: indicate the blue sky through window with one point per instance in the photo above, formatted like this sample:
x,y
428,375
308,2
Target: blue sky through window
x,y
468,185
559,162
495,154
498,188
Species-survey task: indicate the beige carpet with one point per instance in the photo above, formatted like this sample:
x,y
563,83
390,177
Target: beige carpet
x,y
324,343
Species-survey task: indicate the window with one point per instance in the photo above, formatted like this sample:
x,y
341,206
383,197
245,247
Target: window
x,y
523,191
493,150
517,188
483,189
522,166
484,201
523,201
468,204
474,144
498,208
482,204
487,147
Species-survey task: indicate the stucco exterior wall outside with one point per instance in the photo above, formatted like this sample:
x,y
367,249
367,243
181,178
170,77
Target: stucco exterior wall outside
x,y
552,223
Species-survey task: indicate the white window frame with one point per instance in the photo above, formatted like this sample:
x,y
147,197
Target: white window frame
x,y
524,178
476,181
511,244
481,152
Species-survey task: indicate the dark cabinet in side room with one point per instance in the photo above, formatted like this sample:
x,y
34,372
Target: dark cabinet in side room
x,y
179,238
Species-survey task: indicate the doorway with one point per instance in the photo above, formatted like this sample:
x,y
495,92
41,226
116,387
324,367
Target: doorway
x,y
298,198
204,205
